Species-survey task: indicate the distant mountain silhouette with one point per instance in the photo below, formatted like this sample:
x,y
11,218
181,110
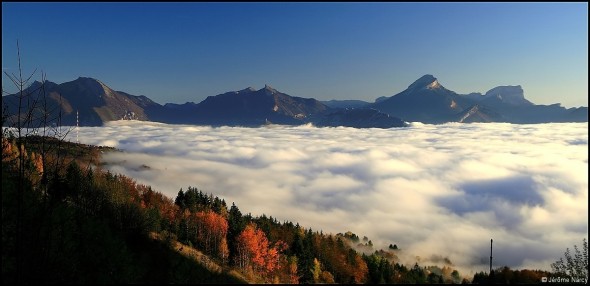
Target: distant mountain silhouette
x,y
250,107
509,102
425,100
360,118
347,103
95,102
503,95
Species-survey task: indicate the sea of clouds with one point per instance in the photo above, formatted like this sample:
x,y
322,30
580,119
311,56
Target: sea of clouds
x,y
437,191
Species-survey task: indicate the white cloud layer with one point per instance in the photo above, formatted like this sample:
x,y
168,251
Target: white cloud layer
x,y
434,190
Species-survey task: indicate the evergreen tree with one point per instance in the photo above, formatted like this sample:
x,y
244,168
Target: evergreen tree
x,y
236,225
179,201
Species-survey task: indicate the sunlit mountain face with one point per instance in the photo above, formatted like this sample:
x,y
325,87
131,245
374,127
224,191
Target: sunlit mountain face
x,y
436,191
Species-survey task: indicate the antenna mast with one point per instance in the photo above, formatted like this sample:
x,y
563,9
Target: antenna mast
x,y
491,244
77,127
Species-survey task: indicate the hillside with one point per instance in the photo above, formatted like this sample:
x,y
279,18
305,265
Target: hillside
x,y
82,226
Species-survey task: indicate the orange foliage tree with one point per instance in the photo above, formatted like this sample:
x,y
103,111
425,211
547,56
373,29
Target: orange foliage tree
x,y
254,250
211,233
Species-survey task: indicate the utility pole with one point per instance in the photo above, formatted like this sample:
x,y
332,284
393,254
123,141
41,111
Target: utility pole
x,y
491,244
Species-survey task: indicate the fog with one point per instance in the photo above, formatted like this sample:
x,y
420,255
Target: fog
x,y
434,190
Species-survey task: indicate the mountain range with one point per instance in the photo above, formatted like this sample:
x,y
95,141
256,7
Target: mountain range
x,y
425,100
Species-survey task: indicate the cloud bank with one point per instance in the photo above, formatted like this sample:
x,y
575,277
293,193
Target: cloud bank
x,y
434,190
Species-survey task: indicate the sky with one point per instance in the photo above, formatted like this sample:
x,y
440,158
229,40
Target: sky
x,y
179,52
433,190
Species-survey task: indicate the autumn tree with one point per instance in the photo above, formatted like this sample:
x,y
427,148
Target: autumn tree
x,y
162,209
357,266
316,270
293,277
254,250
223,251
211,232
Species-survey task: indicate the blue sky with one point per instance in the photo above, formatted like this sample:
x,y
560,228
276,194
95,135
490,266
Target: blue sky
x,y
179,52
